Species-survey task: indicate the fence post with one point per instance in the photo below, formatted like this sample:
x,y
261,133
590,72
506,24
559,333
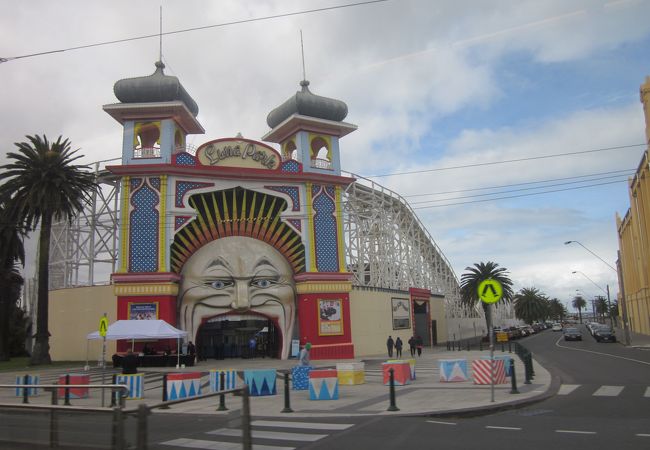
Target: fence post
x,y
164,391
25,389
287,399
391,390
222,397
113,392
54,421
66,397
142,431
513,377
247,440
528,375
118,429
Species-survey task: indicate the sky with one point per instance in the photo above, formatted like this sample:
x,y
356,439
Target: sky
x,y
510,127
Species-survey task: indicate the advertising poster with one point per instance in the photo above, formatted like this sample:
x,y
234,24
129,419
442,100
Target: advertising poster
x,y
401,313
330,321
143,311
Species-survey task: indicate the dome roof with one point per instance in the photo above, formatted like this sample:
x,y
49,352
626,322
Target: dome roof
x,y
156,87
307,104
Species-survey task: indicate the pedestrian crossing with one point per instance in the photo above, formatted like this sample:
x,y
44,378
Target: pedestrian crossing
x,y
604,390
266,435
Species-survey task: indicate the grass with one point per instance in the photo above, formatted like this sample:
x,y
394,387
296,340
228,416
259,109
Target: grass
x,y
22,363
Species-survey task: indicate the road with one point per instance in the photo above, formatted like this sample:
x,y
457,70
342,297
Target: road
x,y
603,402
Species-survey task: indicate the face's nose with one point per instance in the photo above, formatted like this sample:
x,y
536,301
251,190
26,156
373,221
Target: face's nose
x,y
241,300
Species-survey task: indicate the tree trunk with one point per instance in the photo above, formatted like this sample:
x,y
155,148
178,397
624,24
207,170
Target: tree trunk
x,y
41,350
4,321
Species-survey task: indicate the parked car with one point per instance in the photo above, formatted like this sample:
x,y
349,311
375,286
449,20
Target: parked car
x,y
604,333
572,334
591,326
557,327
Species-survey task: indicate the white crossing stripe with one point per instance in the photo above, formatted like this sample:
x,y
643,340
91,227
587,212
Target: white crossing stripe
x,y
257,434
575,432
302,425
216,445
608,391
647,392
503,428
566,389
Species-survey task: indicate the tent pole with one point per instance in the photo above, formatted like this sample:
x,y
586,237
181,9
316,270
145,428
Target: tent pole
x,y
178,352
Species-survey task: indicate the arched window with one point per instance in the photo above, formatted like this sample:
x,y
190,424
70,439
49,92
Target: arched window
x,y
146,140
321,156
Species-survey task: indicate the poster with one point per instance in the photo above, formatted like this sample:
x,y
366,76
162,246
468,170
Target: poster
x,y
401,313
330,321
143,311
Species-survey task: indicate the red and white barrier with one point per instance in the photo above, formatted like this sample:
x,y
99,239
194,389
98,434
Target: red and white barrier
x,y
481,371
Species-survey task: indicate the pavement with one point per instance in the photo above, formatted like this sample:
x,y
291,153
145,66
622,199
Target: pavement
x,y
426,395
637,340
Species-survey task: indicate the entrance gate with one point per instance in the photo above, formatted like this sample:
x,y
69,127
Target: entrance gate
x,y
230,337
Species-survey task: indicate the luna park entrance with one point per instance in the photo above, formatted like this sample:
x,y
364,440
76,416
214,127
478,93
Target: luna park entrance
x,y
237,337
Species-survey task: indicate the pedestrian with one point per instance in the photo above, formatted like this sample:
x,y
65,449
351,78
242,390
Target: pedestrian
x,y
398,347
191,350
252,343
412,345
418,344
389,345
129,363
304,354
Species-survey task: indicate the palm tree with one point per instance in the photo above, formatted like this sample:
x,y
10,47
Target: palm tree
x,y
531,305
12,252
579,303
600,303
557,311
471,279
41,184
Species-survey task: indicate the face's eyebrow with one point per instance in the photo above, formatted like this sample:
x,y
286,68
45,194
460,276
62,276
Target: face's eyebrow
x,y
217,263
263,261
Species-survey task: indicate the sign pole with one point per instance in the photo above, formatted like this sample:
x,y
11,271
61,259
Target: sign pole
x,y
491,331
103,328
490,291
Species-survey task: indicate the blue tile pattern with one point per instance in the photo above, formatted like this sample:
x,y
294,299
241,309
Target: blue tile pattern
x,y
182,187
325,230
185,159
291,191
291,166
143,242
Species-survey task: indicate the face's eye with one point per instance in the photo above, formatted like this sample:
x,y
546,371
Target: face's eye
x,y
220,284
262,283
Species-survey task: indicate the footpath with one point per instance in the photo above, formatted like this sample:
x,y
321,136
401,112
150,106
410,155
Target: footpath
x,y
426,395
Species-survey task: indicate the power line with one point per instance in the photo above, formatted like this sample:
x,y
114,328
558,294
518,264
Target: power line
x,y
491,163
517,190
518,196
187,30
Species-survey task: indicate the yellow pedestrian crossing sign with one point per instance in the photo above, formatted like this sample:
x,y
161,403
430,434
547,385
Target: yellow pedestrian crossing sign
x,y
490,291
103,326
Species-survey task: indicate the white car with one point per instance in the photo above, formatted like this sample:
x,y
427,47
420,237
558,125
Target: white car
x,y
557,327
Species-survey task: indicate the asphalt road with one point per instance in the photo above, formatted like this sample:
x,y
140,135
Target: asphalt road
x,y
603,402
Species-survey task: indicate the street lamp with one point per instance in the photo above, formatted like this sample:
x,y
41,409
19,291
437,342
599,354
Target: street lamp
x,y
608,264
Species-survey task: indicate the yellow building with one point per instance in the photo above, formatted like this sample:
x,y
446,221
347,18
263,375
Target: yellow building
x,y
633,238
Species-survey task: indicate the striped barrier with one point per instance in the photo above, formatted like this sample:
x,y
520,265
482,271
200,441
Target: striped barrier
x,y
411,365
323,385
351,373
135,383
75,378
261,382
27,379
300,377
453,370
229,379
401,372
481,369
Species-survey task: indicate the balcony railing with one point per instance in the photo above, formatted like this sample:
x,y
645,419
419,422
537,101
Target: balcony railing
x,y
318,163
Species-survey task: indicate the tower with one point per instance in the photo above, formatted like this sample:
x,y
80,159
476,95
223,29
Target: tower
x,y
157,114
308,128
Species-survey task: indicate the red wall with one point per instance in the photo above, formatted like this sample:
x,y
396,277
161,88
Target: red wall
x,y
324,347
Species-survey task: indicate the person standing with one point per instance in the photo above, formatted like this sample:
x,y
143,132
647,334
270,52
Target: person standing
x,y
412,345
398,347
304,354
419,344
129,363
191,350
389,345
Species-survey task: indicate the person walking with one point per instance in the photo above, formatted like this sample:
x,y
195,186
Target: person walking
x,y
398,347
412,345
419,344
389,345
304,354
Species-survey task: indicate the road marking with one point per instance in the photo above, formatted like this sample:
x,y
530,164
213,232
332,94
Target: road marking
x,y
557,344
647,392
575,432
442,423
642,435
608,391
216,445
503,428
302,425
270,435
566,389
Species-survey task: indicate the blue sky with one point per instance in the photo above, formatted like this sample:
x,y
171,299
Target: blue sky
x,y
430,85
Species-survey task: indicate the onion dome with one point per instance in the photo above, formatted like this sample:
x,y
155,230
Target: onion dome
x,y
156,87
305,103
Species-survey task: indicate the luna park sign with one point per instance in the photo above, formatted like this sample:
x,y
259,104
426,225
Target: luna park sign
x,y
237,153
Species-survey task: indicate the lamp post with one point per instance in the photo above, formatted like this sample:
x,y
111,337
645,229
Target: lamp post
x,y
609,304
619,275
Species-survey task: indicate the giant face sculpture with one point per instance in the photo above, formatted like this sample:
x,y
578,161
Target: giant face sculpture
x,y
242,275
